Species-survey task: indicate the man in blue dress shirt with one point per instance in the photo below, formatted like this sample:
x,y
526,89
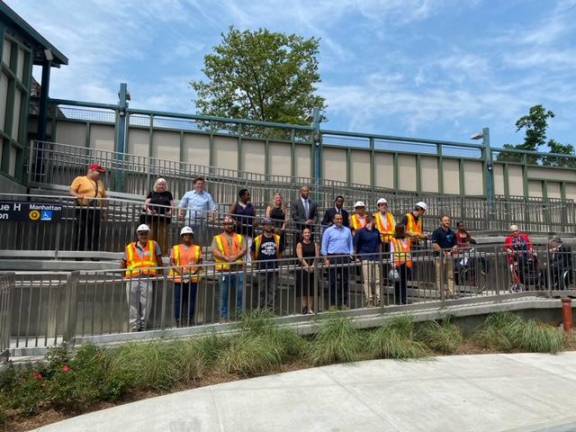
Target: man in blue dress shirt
x,y
196,206
337,250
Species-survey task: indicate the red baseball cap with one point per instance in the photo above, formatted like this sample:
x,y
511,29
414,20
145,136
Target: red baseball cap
x,y
97,167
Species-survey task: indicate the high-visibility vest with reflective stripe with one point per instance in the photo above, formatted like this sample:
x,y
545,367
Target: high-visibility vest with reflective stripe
x,y
137,266
224,248
258,242
386,231
185,259
413,227
357,222
402,253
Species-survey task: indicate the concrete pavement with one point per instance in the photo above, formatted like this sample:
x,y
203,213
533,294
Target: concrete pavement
x,y
492,392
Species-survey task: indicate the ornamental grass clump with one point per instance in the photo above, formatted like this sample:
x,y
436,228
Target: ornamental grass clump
x,y
442,337
395,340
337,341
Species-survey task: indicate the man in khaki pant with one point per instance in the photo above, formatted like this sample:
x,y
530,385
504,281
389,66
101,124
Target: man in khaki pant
x,y
444,243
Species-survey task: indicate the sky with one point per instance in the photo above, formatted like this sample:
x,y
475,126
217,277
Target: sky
x,y
440,69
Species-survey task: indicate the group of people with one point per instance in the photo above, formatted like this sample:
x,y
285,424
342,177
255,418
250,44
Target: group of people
x,y
383,246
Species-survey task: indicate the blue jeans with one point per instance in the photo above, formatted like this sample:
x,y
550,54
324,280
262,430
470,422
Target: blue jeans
x,y
185,302
226,282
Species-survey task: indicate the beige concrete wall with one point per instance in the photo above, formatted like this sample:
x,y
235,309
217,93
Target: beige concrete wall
x,y
166,145
570,191
451,176
554,190
138,142
499,179
226,153
360,161
429,171
473,178
407,167
303,161
551,174
534,188
280,159
335,164
254,157
196,149
515,181
384,170
71,133
102,137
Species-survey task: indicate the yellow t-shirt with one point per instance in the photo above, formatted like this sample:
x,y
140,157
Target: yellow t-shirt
x,y
88,189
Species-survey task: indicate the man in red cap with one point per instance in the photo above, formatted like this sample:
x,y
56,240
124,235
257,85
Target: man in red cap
x,y
89,191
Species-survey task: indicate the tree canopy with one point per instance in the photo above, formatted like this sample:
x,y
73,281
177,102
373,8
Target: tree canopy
x,y
261,75
535,126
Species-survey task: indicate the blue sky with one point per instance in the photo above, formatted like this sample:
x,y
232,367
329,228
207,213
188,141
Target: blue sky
x,y
428,68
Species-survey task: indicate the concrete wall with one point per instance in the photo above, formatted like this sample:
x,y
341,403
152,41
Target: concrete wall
x,y
409,172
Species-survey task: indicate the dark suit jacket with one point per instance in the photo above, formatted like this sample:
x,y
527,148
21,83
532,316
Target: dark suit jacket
x,y
329,217
297,211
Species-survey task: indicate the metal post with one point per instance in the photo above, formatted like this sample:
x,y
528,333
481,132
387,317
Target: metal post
x,y
42,116
489,171
71,309
317,138
121,124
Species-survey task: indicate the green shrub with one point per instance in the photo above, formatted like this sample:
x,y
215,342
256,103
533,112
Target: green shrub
x,y
508,332
395,340
337,341
443,337
3,411
84,381
28,390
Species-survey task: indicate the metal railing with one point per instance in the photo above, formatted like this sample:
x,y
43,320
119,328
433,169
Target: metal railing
x,y
62,163
47,309
111,224
7,283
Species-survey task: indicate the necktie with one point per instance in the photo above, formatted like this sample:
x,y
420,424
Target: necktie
x,y
306,209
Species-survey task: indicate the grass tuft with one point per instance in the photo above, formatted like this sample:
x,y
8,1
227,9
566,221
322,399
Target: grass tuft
x,y
508,332
337,341
444,337
395,340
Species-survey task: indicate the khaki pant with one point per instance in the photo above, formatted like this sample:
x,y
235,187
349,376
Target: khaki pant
x,y
139,296
445,273
372,277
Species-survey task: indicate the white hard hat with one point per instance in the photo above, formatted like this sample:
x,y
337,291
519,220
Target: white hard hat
x,y
422,205
359,204
143,228
186,230
514,228
381,201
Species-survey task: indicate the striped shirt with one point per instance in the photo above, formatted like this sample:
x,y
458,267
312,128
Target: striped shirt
x,y
198,205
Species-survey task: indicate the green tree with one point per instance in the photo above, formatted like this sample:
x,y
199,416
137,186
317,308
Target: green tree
x,y
535,125
261,75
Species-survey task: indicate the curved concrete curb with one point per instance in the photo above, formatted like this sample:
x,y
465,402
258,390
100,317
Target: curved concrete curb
x,y
492,392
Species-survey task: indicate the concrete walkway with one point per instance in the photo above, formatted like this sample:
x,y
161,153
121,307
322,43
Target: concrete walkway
x,y
517,392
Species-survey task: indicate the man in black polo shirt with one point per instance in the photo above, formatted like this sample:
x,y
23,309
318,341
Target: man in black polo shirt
x,y
444,243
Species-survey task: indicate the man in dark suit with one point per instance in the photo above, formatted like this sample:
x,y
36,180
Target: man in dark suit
x,y
337,209
303,210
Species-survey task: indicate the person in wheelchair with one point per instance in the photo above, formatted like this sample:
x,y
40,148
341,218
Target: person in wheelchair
x,y
560,264
470,264
522,260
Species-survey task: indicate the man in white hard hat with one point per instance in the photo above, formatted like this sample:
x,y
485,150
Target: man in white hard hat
x,y
413,221
358,219
142,260
385,223
185,269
